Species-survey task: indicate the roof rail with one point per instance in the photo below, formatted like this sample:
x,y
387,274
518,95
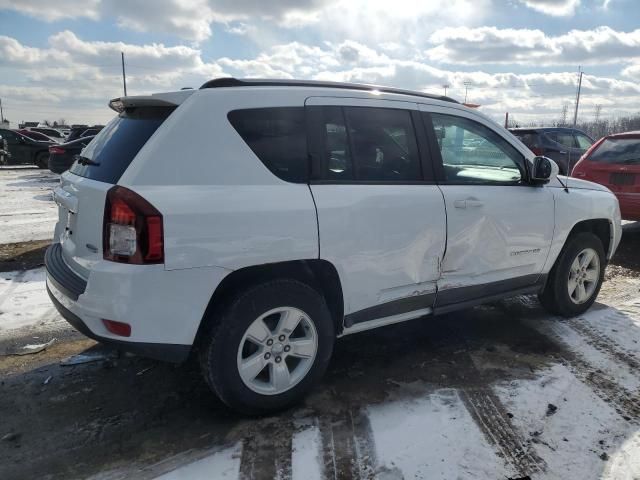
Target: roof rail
x,y
263,82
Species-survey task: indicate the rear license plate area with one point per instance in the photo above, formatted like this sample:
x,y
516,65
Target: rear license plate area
x,y
620,178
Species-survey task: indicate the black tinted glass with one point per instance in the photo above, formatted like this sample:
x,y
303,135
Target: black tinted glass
x,y
618,150
119,142
278,138
383,144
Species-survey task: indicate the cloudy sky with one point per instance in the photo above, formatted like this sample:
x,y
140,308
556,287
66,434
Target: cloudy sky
x,y
61,58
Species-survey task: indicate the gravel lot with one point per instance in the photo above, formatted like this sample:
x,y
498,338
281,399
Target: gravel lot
x,y
495,392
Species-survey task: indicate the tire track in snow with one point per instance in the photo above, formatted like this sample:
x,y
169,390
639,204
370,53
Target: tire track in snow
x,y
625,402
492,418
490,415
603,343
266,454
348,447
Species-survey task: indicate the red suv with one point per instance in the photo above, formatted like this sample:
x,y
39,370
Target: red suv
x,y
614,161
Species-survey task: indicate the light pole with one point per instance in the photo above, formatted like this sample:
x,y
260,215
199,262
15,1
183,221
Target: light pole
x,y
445,86
467,84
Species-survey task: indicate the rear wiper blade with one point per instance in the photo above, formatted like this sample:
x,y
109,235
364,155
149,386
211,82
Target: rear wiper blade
x,y
87,161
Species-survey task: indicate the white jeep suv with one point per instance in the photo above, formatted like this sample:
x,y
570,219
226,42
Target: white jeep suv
x,y
254,221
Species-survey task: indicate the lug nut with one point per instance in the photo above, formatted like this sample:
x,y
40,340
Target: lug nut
x,y
278,359
267,356
281,338
270,342
287,348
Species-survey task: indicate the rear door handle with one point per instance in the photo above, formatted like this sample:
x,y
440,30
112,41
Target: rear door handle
x,y
469,202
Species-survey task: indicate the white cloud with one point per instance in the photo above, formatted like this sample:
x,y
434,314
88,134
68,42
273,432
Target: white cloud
x,y
533,47
52,11
556,8
75,75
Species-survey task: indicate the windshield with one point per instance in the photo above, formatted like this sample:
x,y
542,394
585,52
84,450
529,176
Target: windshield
x,y
117,144
617,150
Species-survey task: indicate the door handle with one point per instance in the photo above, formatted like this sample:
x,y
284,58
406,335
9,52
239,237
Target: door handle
x,y
469,202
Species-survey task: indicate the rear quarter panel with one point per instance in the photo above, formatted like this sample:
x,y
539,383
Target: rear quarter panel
x,y
221,206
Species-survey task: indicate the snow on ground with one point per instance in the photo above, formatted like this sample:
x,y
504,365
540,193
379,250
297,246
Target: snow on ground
x,y
571,439
24,302
27,210
224,464
433,437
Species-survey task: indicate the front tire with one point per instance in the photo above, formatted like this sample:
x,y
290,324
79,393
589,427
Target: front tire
x,y
575,280
268,347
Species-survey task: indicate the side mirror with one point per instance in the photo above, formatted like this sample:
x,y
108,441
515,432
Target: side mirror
x,y
22,140
544,170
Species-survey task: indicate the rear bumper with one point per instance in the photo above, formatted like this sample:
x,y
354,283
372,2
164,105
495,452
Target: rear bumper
x,y
158,351
163,307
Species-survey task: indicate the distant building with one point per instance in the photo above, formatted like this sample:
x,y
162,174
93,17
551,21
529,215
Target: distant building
x,y
28,124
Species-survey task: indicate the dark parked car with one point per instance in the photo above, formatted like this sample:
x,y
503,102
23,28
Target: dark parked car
x,y
62,156
23,150
78,131
37,136
563,145
49,132
614,161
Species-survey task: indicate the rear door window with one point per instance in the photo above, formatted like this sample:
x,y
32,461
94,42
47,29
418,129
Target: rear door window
x,y
117,144
618,151
278,138
584,142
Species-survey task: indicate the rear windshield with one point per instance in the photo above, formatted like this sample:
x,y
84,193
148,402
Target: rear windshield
x,y
618,150
118,143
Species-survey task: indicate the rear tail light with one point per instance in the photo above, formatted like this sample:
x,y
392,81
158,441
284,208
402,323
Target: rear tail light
x,y
132,229
56,150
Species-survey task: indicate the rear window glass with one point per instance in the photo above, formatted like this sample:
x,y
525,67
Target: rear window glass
x,y
618,150
117,144
278,138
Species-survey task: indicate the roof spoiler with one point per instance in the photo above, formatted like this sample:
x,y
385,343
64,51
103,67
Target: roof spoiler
x,y
122,103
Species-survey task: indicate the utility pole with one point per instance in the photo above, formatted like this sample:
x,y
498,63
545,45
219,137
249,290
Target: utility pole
x,y
506,120
445,86
575,113
124,75
467,84
1,113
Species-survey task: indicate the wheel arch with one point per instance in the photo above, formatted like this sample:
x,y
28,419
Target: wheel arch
x,y
600,227
317,273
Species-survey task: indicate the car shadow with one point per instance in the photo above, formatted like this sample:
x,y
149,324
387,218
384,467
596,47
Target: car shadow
x,y
626,255
126,413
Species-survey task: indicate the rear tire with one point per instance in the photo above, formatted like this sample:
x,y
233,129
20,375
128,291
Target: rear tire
x,y
42,160
575,280
268,346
